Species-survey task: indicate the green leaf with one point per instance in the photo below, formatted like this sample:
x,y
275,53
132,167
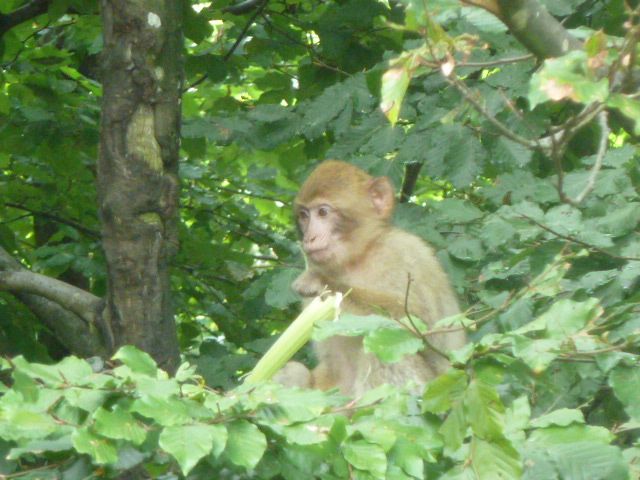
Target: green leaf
x,y
564,318
567,317
629,106
454,428
69,370
567,78
441,393
512,153
564,219
304,434
189,443
307,433
497,232
216,68
589,461
467,249
538,464
323,109
409,457
620,221
537,354
165,411
561,417
86,399
351,325
137,360
246,444
17,423
366,456
157,387
462,157
625,382
39,446
517,418
485,410
392,344
395,82
301,405
279,293
495,460
377,432
572,433
100,449
196,26
119,424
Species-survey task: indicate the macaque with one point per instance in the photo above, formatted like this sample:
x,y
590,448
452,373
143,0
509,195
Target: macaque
x,y
344,218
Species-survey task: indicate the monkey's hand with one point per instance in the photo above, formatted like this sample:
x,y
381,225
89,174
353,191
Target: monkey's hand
x,y
294,374
308,284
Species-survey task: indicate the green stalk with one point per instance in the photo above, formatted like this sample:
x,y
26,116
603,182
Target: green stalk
x,y
294,337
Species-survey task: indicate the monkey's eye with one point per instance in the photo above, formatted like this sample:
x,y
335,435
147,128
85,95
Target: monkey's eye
x,y
303,215
323,211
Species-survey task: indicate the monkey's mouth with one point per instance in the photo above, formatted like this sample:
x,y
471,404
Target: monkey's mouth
x,y
319,255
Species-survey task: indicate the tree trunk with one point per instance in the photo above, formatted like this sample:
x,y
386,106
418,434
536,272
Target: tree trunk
x,y
138,170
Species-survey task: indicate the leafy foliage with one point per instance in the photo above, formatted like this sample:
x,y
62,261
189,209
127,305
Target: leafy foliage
x,y
528,191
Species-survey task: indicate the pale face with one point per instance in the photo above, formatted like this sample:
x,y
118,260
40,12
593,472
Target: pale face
x,y
321,233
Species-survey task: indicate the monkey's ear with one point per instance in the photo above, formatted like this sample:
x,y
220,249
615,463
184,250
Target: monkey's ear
x,y
381,192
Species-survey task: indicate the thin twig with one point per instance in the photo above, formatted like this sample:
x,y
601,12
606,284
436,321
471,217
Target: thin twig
x,y
556,151
250,194
246,29
565,131
487,64
71,223
602,149
502,128
22,14
416,331
577,241
499,61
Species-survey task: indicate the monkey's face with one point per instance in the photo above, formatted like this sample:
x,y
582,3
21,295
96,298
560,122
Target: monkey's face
x,y
320,227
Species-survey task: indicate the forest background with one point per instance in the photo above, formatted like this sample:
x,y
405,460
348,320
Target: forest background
x,y
149,154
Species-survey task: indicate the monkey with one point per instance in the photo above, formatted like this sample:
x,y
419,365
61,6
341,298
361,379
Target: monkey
x,y
343,215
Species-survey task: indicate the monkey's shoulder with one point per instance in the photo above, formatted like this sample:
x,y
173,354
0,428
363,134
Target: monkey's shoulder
x,y
406,247
396,255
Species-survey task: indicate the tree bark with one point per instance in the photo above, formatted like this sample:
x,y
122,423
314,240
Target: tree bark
x,y
536,29
138,170
411,174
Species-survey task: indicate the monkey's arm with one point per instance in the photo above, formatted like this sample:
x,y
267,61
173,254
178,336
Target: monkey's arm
x,y
359,300
294,374
363,301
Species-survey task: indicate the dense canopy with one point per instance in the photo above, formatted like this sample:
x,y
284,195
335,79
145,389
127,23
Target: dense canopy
x,y
150,151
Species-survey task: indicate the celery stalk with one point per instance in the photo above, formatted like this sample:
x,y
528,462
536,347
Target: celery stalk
x,y
294,337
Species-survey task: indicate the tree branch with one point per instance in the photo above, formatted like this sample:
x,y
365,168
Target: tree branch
x,y
21,14
411,173
602,149
544,36
532,25
70,329
56,218
453,80
260,7
242,7
577,241
83,304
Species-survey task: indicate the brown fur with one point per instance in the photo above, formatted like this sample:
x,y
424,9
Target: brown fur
x,y
378,264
